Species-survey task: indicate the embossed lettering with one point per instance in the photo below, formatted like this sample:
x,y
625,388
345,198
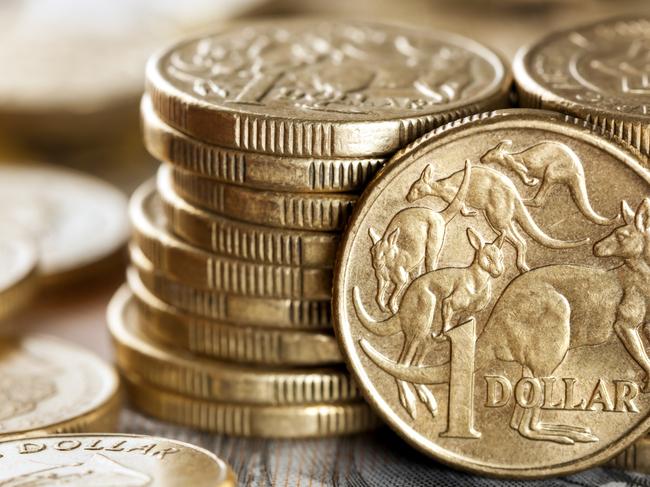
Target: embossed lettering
x,y
499,391
31,448
626,392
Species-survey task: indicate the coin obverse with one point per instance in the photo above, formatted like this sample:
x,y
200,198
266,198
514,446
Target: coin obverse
x,y
105,459
502,334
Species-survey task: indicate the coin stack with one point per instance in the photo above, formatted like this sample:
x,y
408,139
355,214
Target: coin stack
x,y
267,135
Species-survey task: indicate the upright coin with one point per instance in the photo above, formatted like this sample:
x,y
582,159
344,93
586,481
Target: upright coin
x,y
599,72
18,261
51,386
322,89
516,350
104,459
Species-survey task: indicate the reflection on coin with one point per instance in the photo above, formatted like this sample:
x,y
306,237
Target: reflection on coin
x,y
206,270
105,459
516,350
300,211
18,260
52,386
599,72
256,243
234,342
251,169
248,420
76,219
173,370
322,89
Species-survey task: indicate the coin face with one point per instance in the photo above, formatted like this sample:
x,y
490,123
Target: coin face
x,y
322,88
53,386
104,459
18,260
600,72
491,293
77,220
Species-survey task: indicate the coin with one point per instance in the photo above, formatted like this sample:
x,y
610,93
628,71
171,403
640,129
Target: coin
x,y
299,314
183,373
256,243
254,170
322,89
234,342
51,386
300,211
110,459
206,270
251,420
516,350
76,219
18,260
599,72
634,457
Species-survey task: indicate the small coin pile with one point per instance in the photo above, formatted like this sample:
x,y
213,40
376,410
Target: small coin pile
x,y
267,134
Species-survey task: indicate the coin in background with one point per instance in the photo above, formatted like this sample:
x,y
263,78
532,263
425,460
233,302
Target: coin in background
x,y
18,261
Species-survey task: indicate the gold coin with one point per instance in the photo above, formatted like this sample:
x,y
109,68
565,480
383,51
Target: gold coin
x,y
251,169
322,89
515,350
183,373
251,420
256,243
300,211
110,459
234,342
18,260
231,308
51,386
76,220
635,457
205,270
597,72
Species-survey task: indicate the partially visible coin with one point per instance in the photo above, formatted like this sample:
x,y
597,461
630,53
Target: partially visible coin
x,y
110,460
301,211
18,261
51,386
234,342
599,72
635,457
77,220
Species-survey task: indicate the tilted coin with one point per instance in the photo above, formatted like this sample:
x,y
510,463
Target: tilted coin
x,y
599,72
50,386
516,349
302,314
18,261
300,211
77,220
256,243
234,342
218,273
183,373
251,420
255,170
110,459
322,89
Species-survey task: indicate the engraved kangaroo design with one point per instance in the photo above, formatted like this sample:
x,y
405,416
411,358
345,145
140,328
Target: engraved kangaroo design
x,y
433,304
547,164
414,236
497,197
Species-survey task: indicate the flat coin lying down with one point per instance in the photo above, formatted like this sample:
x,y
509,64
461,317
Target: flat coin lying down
x,y
110,460
18,260
516,350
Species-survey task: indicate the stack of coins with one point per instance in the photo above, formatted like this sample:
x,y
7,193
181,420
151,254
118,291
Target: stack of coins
x,y
267,134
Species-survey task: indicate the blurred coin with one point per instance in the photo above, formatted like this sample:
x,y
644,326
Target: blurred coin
x,y
635,457
110,460
206,270
52,386
77,220
18,261
599,72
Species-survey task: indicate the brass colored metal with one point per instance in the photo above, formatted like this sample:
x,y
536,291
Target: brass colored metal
x,y
256,243
597,72
196,267
515,350
635,457
110,459
323,89
235,342
18,261
251,169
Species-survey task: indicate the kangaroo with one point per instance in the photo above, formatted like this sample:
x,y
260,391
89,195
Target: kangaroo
x,y
414,236
433,304
498,198
552,163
